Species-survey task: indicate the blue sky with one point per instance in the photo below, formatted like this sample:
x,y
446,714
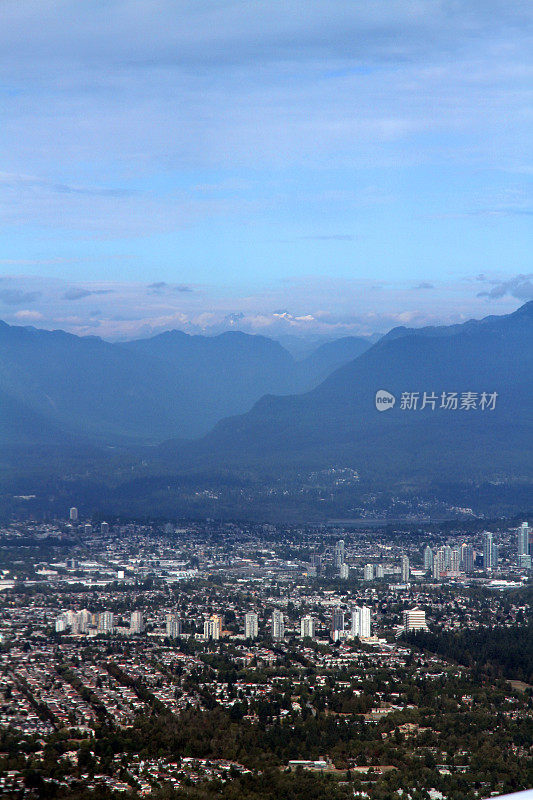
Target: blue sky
x,y
315,168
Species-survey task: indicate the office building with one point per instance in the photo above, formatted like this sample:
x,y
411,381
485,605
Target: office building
x,y
173,626
405,569
104,528
360,622
524,561
87,529
213,627
337,623
344,572
251,625
428,558
277,625
368,572
316,561
307,627
73,514
414,620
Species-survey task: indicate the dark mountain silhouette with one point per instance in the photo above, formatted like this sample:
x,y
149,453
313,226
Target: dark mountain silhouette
x,y
337,423
143,391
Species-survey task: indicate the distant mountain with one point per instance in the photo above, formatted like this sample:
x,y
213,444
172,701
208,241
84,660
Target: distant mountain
x,y
337,423
144,391
329,357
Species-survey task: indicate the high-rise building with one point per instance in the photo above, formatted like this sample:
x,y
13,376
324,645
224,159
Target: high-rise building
x,y
316,561
277,625
360,622
83,621
467,558
379,571
71,617
174,626
73,514
251,625
61,623
106,622
213,627
368,572
405,569
439,565
414,620
104,528
428,558
337,623
523,540
524,561
136,622
307,627
87,529
344,572
447,557
455,563
338,555
488,551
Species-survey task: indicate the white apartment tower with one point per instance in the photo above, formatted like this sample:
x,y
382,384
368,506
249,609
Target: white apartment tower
x,y
136,622
523,540
487,551
360,623
339,554
251,625
106,622
307,627
173,626
414,620
278,625
213,627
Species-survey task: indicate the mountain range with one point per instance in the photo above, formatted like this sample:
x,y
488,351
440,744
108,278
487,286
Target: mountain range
x,y
243,408
338,424
54,384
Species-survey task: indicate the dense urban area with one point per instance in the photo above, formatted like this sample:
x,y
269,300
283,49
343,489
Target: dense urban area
x,y
206,659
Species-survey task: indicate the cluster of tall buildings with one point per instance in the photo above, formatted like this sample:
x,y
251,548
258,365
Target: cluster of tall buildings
x,y
360,624
446,560
86,528
83,621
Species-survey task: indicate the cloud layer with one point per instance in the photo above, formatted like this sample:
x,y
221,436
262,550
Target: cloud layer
x,y
309,308
177,144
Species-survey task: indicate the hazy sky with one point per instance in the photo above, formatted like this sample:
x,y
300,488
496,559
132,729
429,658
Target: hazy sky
x,y
310,167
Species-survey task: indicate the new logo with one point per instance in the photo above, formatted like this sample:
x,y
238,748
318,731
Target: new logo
x,y
384,400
